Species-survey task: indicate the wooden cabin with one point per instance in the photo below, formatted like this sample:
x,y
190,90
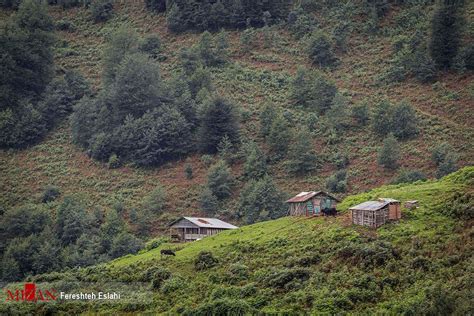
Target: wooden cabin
x,y
310,203
195,228
375,213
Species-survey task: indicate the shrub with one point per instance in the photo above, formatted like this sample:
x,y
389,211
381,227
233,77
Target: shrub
x,y
389,154
337,182
204,261
279,137
287,278
101,10
382,118
313,91
155,201
65,25
360,112
320,50
188,171
404,121
125,243
173,284
409,176
237,272
151,45
225,306
114,162
301,23
158,276
459,205
156,5
50,193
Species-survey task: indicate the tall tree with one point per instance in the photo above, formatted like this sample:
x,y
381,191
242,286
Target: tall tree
x,y
218,118
446,32
279,137
219,180
302,157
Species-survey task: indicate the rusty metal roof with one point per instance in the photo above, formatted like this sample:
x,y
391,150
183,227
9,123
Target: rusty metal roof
x,y
305,196
205,222
370,206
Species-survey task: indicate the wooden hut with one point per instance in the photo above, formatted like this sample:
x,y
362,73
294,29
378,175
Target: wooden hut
x,y
310,203
195,228
375,213
394,208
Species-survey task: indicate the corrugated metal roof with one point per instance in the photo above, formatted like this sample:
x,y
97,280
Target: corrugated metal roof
x,y
305,196
209,222
389,200
369,206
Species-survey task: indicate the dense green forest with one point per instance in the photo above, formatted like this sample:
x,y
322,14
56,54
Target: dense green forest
x,y
116,118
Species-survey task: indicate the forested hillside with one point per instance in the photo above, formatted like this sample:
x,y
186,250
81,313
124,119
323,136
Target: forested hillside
x,y
118,117
421,265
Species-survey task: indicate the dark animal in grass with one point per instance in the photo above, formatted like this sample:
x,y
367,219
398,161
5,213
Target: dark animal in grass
x,y
329,211
167,252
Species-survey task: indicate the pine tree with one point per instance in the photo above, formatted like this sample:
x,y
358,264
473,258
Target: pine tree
x,y
255,165
205,49
220,180
122,42
267,116
389,154
338,114
279,137
261,200
156,200
222,48
218,119
302,158
446,32
208,202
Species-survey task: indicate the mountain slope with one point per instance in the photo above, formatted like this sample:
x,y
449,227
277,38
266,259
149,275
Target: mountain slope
x,y
251,80
419,265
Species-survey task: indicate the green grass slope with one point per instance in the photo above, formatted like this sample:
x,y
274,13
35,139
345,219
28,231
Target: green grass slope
x,y
421,264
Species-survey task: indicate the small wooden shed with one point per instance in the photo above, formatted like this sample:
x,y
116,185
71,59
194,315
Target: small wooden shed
x,y
310,203
376,213
394,208
195,228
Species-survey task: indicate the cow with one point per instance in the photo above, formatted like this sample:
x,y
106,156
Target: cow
x,y
167,252
329,211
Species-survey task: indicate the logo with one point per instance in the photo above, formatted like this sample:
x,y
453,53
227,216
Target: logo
x,y
31,293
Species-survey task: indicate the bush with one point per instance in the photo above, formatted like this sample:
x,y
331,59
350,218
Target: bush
x,y
188,171
125,243
459,206
225,306
360,112
301,157
312,91
404,121
255,165
158,276
114,162
337,182
204,261
301,23
156,200
101,10
50,193
389,154
409,176
157,6
65,25
151,45
320,50
287,278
